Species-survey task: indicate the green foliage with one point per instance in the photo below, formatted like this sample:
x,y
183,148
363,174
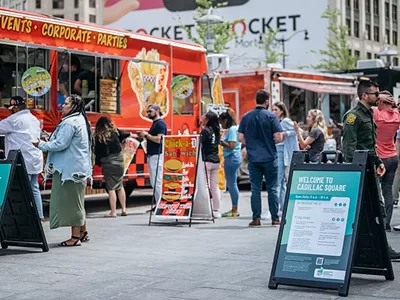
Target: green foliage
x,y
337,54
271,50
223,32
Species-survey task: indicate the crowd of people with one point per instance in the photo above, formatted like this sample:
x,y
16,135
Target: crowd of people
x,y
269,136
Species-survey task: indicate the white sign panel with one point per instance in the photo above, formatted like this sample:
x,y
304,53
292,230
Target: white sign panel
x,y
164,18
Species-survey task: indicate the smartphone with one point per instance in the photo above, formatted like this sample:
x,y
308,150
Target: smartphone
x,y
186,5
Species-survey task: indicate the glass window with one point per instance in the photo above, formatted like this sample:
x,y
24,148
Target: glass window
x,y
24,5
58,4
376,33
348,24
394,12
368,6
87,76
14,61
356,29
92,3
394,37
18,6
368,29
387,36
92,18
395,61
184,94
59,16
348,3
356,5
387,12
356,53
369,55
38,3
205,93
76,3
376,7
76,17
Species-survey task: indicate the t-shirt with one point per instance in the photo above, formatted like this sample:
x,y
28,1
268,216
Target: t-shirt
x,y
387,123
259,127
91,79
210,142
232,136
102,150
158,127
317,146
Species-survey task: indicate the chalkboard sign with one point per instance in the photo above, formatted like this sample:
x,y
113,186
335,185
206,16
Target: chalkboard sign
x,y
19,220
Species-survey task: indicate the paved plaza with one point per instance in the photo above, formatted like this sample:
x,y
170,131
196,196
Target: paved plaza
x,y
127,259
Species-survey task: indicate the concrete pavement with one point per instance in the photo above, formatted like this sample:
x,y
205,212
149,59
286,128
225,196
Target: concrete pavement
x,y
127,259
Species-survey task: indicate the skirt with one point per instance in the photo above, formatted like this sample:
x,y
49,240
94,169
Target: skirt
x,y
113,171
66,203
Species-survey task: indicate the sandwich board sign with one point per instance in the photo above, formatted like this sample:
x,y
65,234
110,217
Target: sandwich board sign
x,y
19,220
329,229
179,183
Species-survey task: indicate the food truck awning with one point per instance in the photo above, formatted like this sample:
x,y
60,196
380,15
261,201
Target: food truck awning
x,y
334,88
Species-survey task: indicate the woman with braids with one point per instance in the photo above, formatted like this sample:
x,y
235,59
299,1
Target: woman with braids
x,y
210,137
69,162
317,134
232,159
109,155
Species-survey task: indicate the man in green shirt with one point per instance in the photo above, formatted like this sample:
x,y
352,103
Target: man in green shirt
x,y
359,133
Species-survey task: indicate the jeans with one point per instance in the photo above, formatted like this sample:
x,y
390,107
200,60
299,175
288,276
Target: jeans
x,y
387,183
152,162
257,171
231,166
281,184
33,180
212,176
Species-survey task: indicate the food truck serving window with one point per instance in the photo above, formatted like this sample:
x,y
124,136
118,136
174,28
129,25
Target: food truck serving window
x,y
95,79
14,62
183,90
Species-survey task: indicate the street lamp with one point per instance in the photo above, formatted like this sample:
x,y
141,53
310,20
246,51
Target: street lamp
x,y
210,19
283,41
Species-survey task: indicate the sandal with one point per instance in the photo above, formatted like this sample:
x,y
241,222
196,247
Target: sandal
x,y
109,215
124,214
84,236
230,214
65,244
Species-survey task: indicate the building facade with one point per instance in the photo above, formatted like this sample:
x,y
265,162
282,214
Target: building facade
x,y
373,26
87,11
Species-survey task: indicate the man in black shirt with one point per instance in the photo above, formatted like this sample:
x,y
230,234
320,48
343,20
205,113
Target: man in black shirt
x,y
154,147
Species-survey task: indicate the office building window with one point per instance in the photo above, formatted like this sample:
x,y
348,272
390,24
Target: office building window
x,y
38,3
387,12
350,52
58,4
387,36
394,12
395,61
368,6
356,53
348,24
76,3
92,18
369,55
92,3
376,33
76,17
348,3
376,7
368,31
24,5
394,38
356,5
59,16
356,29
18,6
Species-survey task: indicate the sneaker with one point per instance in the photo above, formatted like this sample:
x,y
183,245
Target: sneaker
x,y
393,254
255,223
230,214
276,223
216,214
396,228
266,216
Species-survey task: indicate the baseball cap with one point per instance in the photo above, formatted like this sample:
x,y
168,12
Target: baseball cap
x,y
15,101
155,107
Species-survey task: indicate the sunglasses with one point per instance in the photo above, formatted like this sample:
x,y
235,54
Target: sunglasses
x,y
376,94
149,111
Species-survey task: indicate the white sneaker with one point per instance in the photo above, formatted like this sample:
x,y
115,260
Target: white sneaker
x,y
217,214
266,216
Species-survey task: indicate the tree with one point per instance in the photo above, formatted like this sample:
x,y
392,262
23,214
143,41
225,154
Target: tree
x,y
222,32
338,55
271,50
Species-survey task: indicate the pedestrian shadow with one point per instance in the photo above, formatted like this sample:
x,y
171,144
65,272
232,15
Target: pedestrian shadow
x,y
6,252
101,216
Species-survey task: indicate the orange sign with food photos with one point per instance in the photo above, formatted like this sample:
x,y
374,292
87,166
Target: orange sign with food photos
x,y
178,176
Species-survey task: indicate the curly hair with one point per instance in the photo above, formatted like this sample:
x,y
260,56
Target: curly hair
x,y
105,128
318,121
